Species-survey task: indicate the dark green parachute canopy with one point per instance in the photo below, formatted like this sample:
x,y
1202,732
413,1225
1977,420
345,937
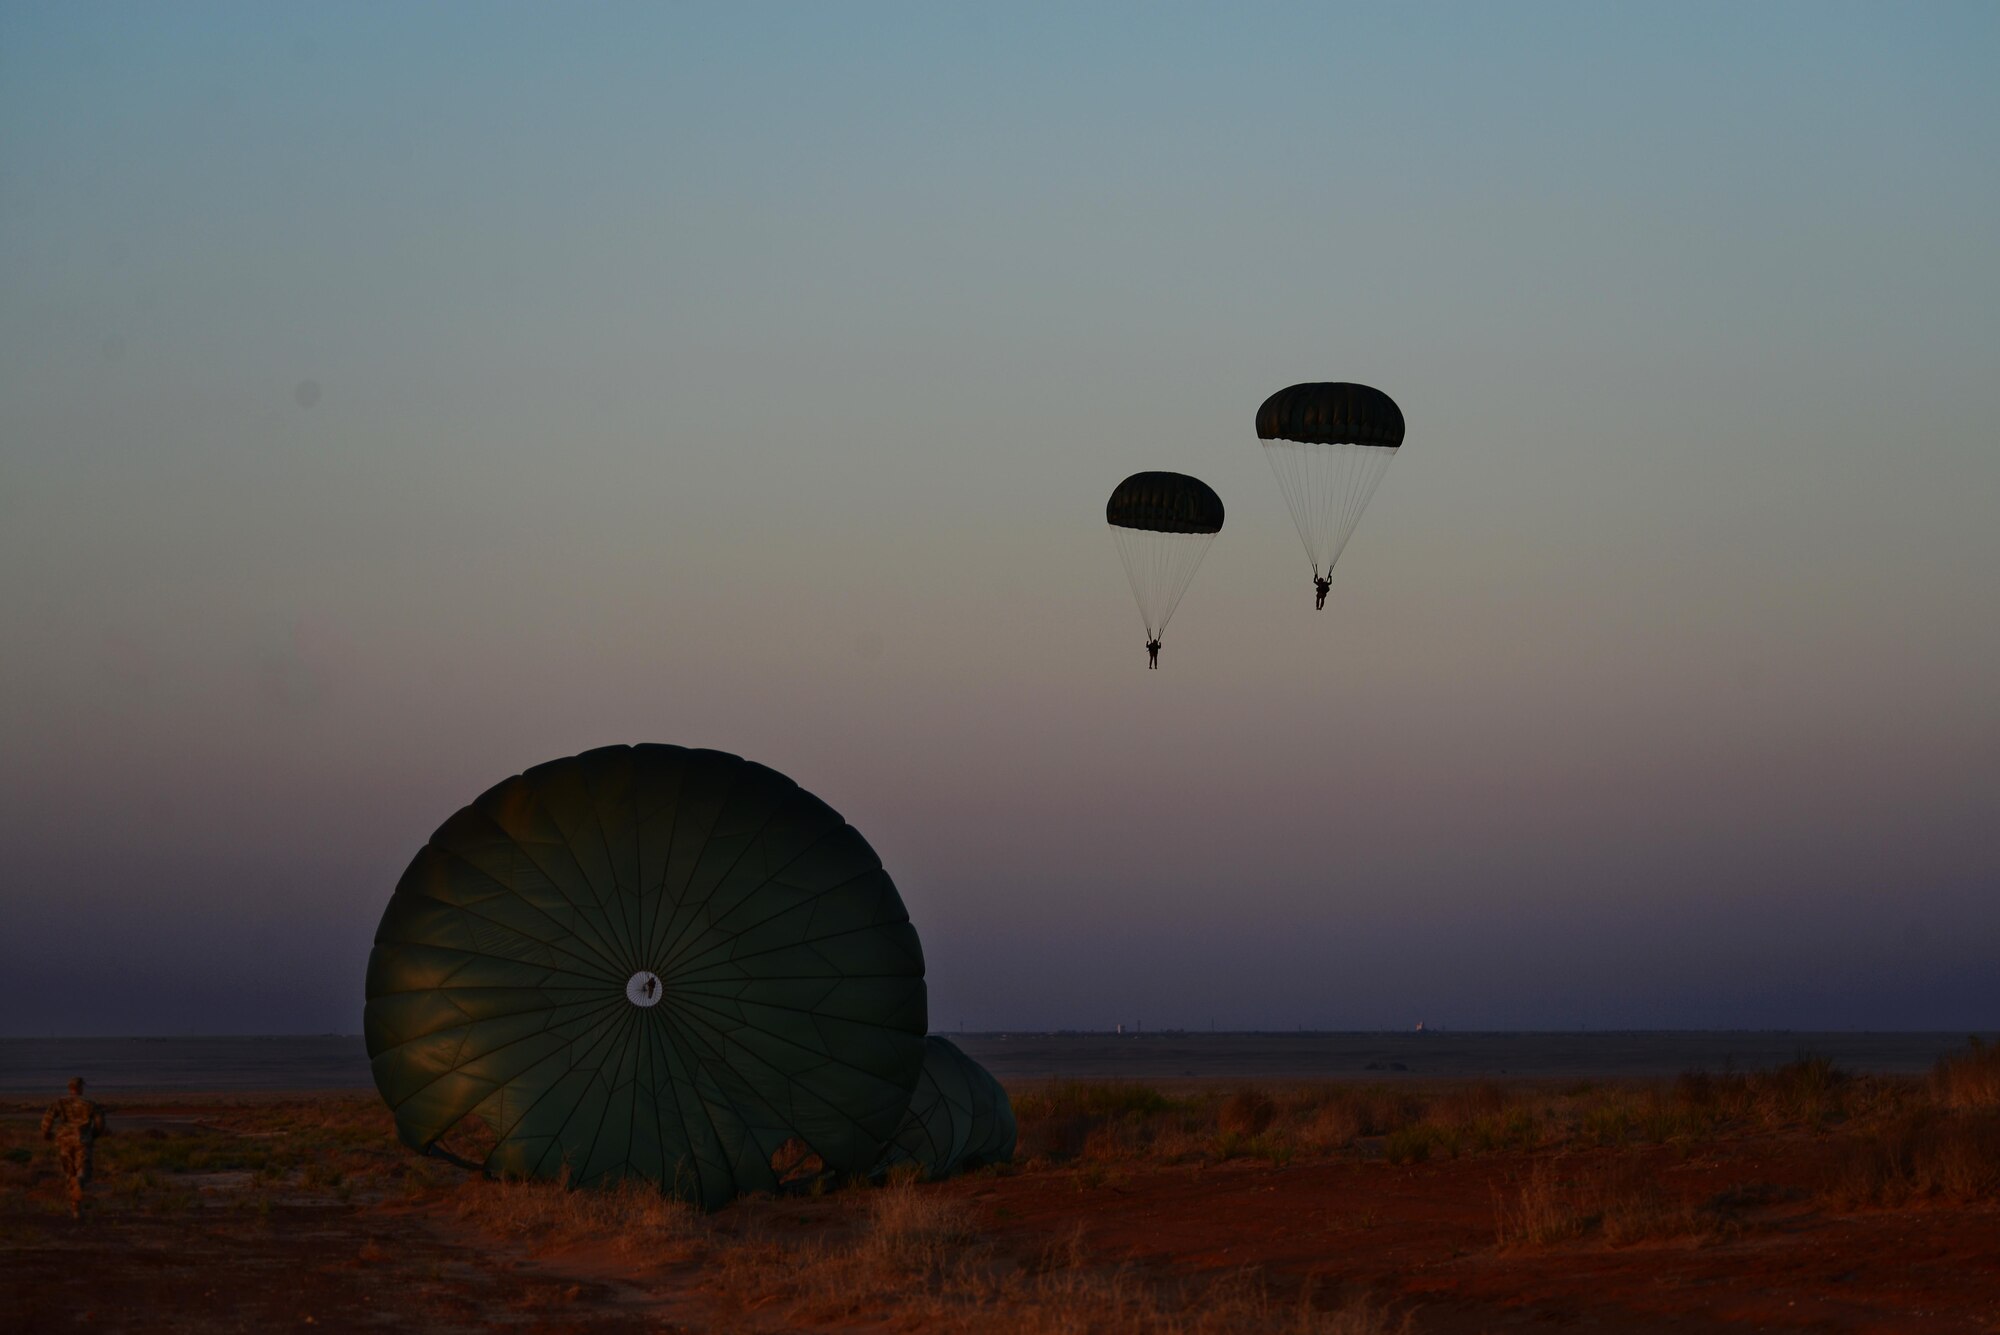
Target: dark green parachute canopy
x,y
1329,445
959,1116
1165,503
647,962
1331,413
1163,524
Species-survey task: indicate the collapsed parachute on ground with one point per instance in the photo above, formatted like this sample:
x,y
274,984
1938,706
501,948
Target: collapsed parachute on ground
x,y
1329,445
1163,523
959,1117
647,962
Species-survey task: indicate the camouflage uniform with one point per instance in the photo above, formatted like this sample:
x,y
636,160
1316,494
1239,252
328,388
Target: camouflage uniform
x,y
74,1123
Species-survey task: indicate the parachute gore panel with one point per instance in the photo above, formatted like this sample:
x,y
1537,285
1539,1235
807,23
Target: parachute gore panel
x,y
1165,503
647,962
959,1116
1331,413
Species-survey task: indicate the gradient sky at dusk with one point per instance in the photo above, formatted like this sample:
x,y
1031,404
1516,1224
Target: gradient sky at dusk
x,y
393,397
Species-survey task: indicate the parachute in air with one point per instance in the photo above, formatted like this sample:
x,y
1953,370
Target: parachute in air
x,y
647,962
959,1117
1163,523
1329,445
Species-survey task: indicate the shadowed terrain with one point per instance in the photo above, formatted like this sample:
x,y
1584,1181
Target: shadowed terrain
x,y
1798,1198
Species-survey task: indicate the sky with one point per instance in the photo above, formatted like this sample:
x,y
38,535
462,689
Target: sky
x,y
394,397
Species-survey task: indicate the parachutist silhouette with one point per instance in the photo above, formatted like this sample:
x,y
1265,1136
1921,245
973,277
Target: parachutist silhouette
x,y
1163,524
652,985
1328,445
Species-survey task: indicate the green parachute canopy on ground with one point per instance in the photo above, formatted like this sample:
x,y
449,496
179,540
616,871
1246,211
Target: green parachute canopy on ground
x,y
647,962
959,1116
1163,523
1328,444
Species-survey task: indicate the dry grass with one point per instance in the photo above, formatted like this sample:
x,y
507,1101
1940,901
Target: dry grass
x,y
1113,1122
163,1162
1939,1140
919,1263
632,1215
904,1255
1543,1211
1247,1112
1971,1079
914,1229
1621,1202
1924,1154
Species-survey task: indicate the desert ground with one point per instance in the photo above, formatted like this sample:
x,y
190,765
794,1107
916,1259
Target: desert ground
x,y
1803,1198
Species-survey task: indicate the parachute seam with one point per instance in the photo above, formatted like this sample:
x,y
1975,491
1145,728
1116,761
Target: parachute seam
x,y
715,924
566,933
685,1090
812,898
598,937
663,1039
588,1007
595,1038
683,899
558,946
693,1061
789,1082
655,899
716,885
590,1073
402,1103
827,1053
604,842
610,1094
608,937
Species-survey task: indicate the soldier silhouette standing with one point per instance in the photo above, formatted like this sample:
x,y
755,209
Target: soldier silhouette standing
x,y
74,1123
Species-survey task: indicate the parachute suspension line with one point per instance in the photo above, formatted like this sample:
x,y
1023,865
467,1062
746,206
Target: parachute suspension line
x,y
1159,567
1361,474
1326,487
1289,466
1135,574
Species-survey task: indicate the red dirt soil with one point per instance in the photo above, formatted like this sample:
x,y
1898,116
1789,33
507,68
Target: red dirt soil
x,y
1420,1237
1425,1234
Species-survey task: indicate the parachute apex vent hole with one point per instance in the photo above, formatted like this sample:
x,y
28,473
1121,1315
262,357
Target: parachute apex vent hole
x,y
644,988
